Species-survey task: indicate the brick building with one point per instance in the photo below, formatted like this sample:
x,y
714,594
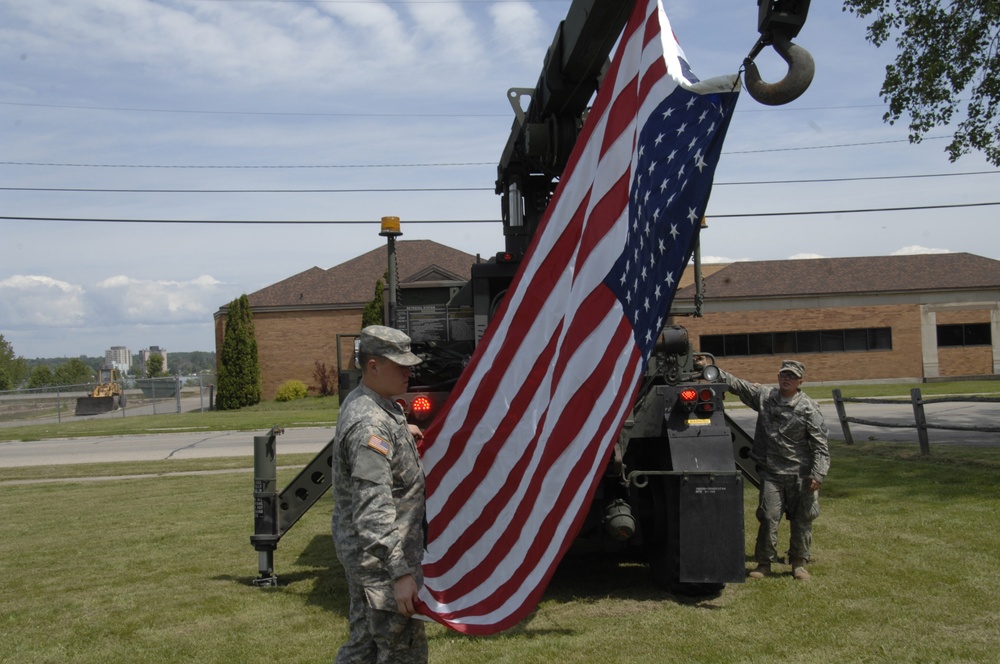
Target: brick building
x,y
298,320
876,318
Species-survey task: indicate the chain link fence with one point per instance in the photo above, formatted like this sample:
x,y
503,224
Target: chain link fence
x,y
140,396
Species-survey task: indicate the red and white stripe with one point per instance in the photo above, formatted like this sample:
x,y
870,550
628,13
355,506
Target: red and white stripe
x,y
512,464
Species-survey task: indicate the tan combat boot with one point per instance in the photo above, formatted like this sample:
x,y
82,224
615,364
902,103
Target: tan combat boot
x,y
762,570
799,571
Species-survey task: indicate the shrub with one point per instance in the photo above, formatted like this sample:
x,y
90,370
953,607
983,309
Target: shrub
x,y
326,379
291,390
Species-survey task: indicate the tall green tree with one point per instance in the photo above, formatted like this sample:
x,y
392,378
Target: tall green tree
x,y
13,368
72,372
154,366
41,376
239,380
374,313
947,56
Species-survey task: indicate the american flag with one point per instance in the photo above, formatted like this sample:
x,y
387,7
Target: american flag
x,y
512,463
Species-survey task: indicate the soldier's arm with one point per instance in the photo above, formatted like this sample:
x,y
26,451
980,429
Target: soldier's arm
x,y
375,511
819,443
749,393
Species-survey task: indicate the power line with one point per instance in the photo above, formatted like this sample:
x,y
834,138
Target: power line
x,y
244,191
836,145
868,178
913,208
262,113
410,222
230,166
864,178
290,222
415,165
364,114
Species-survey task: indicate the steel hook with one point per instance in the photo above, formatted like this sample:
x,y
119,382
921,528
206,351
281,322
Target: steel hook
x,y
801,68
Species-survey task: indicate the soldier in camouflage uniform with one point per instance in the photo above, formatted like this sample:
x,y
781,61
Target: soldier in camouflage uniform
x,y
378,514
791,450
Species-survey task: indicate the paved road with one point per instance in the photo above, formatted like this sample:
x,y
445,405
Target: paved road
x,y
951,414
134,407
156,447
187,445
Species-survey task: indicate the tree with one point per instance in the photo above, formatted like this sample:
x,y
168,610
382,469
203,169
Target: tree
x,y
375,310
154,366
947,49
41,376
13,369
73,372
239,380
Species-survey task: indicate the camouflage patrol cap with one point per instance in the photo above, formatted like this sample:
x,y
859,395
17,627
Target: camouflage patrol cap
x,y
791,366
389,343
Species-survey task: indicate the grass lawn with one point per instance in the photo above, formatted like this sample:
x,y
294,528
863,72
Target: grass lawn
x,y
311,411
907,568
322,411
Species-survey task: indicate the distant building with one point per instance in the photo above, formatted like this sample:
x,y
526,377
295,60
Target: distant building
x,y
146,353
300,320
913,318
877,318
119,357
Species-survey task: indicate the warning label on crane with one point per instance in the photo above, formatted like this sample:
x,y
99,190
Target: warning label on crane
x,y
436,323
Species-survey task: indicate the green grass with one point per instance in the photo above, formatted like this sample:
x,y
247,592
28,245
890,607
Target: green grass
x,y
312,411
902,390
907,568
316,411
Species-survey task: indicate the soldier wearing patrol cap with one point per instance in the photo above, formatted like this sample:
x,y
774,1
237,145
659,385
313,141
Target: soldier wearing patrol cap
x,y
792,453
378,513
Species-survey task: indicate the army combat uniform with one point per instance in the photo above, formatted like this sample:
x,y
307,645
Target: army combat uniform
x,y
378,526
790,447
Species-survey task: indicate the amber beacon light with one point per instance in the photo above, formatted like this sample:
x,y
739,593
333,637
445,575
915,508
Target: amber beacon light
x,y
390,227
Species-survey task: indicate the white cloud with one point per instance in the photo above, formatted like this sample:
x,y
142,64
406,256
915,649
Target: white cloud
x,y
805,256
437,48
915,249
31,300
41,301
519,31
159,301
722,259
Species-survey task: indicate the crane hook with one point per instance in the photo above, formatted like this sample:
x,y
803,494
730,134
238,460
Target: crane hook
x,y
801,68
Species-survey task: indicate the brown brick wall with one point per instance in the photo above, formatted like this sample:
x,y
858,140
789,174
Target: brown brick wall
x,y
290,343
903,361
963,316
970,361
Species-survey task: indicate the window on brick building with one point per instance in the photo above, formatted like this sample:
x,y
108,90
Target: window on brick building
x,y
965,334
806,341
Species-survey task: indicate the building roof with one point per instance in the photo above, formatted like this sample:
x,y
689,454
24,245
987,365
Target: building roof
x,y
833,276
352,283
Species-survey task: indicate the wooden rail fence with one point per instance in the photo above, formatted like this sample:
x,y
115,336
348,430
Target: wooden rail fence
x,y
920,419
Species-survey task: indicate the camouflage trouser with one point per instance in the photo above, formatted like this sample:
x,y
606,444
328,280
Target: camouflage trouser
x,y
788,495
380,637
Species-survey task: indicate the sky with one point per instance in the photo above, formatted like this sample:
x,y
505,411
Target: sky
x,y
219,111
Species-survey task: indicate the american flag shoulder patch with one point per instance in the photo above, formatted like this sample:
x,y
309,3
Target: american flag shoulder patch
x,y
379,445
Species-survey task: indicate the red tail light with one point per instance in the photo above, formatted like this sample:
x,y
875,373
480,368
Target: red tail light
x,y
421,406
706,400
689,398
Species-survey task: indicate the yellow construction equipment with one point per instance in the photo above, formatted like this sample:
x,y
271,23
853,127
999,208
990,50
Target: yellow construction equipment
x,y
107,395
